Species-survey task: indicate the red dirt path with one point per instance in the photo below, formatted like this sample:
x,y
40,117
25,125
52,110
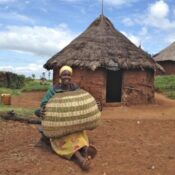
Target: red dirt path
x,y
137,140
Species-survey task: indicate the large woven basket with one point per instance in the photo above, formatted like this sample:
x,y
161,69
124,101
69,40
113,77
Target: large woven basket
x,y
70,112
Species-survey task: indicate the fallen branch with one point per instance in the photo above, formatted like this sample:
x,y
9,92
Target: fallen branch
x,y
131,88
146,85
12,116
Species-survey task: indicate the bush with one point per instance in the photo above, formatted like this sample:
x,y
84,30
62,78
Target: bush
x,y
11,80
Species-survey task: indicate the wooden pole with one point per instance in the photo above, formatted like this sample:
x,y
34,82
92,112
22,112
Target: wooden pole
x,y
102,8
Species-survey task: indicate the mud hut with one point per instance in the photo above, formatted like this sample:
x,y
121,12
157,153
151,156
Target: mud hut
x,y
166,58
108,65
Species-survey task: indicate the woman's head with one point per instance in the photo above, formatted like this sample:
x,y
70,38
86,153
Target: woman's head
x,y
65,74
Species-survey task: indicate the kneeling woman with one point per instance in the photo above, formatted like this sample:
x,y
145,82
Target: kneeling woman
x,y
74,146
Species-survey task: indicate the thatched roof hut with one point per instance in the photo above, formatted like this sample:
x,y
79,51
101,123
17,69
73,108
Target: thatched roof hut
x,y
166,58
101,45
102,57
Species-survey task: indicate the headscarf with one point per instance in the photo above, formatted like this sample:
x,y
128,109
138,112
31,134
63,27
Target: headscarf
x,y
67,68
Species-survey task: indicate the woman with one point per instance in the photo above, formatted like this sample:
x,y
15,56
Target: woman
x,y
74,146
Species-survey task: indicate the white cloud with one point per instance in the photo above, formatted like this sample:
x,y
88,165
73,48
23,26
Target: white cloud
x,y
16,17
38,40
6,1
144,36
157,16
27,70
27,2
170,38
127,21
143,32
157,26
134,39
159,9
174,11
107,2
72,0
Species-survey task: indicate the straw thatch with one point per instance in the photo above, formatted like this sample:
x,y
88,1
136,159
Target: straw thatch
x,y
101,45
167,54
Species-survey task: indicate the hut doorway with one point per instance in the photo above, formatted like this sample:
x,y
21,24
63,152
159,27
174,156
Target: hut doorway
x,y
114,86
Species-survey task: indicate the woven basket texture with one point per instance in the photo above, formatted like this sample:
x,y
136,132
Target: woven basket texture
x,y
70,112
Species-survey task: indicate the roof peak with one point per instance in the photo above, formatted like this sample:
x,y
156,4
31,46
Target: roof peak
x,y
101,20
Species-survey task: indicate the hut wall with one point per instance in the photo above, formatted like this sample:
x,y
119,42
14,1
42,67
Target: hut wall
x,y
169,67
138,87
55,76
92,81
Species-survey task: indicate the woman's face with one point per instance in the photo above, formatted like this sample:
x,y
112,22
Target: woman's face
x,y
66,77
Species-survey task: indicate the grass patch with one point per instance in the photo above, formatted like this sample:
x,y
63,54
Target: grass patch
x,y
36,86
166,85
32,85
10,91
23,112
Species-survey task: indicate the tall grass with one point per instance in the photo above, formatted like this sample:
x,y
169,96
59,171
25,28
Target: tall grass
x,y
166,85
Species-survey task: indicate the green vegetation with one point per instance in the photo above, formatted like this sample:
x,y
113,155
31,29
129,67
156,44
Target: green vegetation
x,y
11,80
166,85
10,91
30,85
35,85
25,112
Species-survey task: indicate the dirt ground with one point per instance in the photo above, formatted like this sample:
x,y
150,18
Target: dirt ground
x,y
28,99
137,140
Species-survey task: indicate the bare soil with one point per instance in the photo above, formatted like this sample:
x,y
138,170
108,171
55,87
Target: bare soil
x,y
136,140
28,99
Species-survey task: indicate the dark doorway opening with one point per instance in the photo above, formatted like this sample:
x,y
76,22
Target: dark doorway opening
x,y
114,86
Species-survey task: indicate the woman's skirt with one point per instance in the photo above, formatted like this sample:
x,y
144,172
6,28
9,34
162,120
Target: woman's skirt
x,y
66,146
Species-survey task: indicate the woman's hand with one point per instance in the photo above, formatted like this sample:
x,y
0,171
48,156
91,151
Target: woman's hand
x,y
42,112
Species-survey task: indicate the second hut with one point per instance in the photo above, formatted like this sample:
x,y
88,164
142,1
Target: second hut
x,y
166,58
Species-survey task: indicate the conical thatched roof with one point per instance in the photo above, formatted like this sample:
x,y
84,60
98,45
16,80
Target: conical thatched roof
x,y
101,45
167,54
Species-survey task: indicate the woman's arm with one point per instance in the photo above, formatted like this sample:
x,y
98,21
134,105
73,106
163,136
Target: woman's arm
x,y
51,92
40,111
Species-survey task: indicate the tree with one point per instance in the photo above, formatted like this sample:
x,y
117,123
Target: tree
x,y
43,78
33,76
49,74
43,75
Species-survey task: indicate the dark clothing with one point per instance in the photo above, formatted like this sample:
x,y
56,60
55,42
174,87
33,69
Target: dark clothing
x,y
57,89
52,91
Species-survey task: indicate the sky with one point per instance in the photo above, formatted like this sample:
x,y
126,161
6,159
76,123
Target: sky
x,y
32,31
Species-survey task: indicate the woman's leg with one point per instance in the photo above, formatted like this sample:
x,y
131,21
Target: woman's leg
x,y
43,140
83,162
89,151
